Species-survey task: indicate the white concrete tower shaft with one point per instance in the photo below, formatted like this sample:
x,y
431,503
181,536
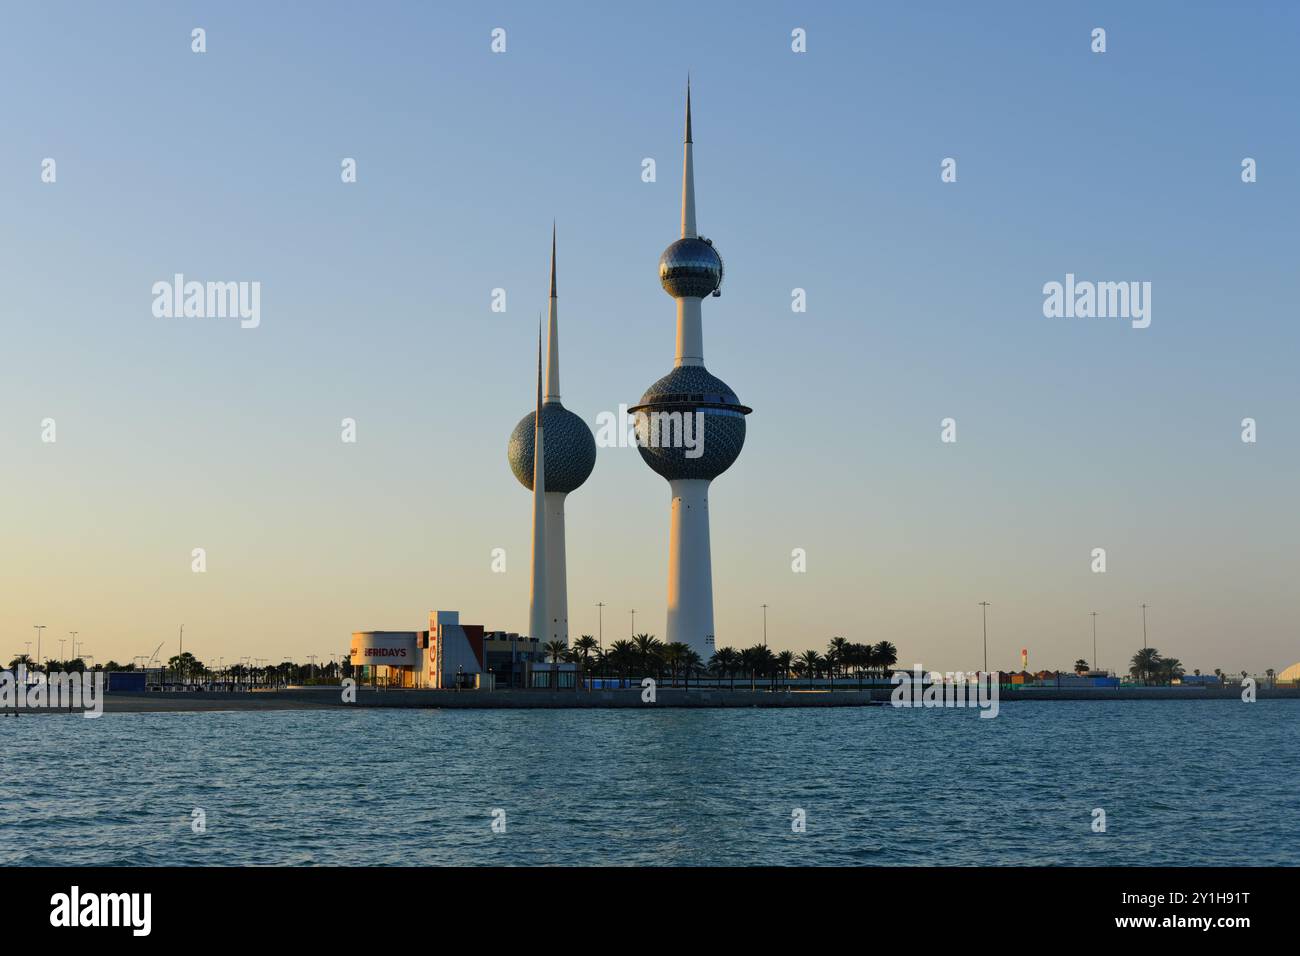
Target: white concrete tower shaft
x,y
557,587
537,594
690,562
690,567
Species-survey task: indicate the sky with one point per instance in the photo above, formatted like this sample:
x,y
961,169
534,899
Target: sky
x,y
817,170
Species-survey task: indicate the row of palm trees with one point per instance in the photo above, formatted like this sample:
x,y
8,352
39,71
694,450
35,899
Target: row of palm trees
x,y
646,656
1150,667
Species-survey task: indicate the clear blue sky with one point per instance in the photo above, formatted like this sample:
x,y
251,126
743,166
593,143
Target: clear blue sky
x,y
818,171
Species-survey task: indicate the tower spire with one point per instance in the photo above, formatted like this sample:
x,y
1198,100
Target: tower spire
x,y
537,591
688,107
688,174
553,336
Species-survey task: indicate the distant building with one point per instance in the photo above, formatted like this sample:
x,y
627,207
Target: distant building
x,y
448,654
510,656
451,654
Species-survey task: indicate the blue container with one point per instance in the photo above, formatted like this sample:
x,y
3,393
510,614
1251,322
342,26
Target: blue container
x,y
126,682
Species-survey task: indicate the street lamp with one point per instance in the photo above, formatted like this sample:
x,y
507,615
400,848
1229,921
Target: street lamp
x,y
634,623
985,606
1144,626
600,624
765,625
39,628
1095,665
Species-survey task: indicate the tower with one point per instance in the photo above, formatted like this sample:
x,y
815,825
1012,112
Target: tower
x,y
690,424
566,458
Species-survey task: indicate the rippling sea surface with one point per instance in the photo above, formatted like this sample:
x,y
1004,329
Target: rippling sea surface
x,y
1204,782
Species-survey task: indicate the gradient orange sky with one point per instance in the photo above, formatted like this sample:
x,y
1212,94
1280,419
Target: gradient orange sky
x,y
924,302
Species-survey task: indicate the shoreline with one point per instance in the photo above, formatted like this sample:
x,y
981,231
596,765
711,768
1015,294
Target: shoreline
x,y
328,698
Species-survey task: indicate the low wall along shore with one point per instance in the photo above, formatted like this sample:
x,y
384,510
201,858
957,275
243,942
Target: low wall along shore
x,y
322,698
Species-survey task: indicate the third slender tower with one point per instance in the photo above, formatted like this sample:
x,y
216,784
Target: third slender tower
x,y
567,458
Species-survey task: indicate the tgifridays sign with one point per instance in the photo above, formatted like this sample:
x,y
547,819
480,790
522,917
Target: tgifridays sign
x,y
394,650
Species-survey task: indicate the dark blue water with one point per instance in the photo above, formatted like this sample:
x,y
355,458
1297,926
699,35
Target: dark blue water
x,y
1205,782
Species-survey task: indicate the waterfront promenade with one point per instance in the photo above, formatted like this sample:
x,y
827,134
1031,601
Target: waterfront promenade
x,y
330,698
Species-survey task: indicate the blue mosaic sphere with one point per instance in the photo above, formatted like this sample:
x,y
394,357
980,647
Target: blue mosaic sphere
x,y
690,268
569,449
718,437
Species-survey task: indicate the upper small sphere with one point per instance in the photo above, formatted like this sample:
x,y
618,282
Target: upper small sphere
x,y
690,268
570,449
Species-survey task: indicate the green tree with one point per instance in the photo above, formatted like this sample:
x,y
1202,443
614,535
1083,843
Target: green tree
x,y
648,649
811,663
691,664
837,650
585,647
1145,665
622,657
1170,670
755,661
184,665
724,662
784,663
1081,666
884,656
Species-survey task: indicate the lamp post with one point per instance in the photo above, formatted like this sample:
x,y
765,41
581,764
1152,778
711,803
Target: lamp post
x,y
985,606
1095,665
600,625
765,625
634,623
39,628
1144,626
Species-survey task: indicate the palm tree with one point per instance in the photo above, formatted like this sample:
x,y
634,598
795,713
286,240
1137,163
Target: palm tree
x,y
811,662
751,660
830,662
583,647
784,661
647,646
691,664
674,655
1171,669
857,657
723,663
885,656
1145,664
622,657
766,661
837,650
555,650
